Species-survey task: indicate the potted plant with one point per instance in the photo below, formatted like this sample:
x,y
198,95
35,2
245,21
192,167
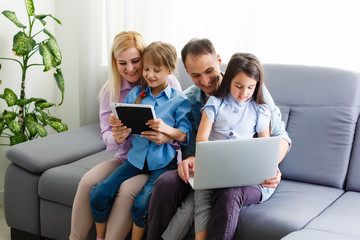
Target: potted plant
x,y
28,116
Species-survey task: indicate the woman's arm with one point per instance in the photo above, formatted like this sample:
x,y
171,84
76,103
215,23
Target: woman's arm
x,y
204,128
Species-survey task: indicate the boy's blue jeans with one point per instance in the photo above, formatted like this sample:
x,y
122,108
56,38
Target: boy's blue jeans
x,y
103,194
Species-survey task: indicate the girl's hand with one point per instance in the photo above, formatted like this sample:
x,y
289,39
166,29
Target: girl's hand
x,y
157,125
120,133
156,137
114,121
272,183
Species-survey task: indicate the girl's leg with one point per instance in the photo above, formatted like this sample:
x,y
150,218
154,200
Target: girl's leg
x,y
182,220
120,221
81,217
102,195
168,193
227,203
203,202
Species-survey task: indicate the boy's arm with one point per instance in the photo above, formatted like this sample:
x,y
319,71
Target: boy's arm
x,y
159,126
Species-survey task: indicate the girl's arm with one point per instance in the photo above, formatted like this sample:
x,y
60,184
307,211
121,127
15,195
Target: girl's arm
x,y
159,126
265,133
204,128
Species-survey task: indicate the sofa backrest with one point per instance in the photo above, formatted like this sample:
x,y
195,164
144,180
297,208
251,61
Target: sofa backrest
x,y
320,107
353,178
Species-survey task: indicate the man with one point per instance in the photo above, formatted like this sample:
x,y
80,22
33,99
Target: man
x,y
203,65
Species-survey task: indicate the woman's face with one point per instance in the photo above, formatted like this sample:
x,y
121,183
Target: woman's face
x,y
128,63
242,87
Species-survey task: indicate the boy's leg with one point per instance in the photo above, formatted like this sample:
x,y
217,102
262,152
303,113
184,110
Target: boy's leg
x,y
227,203
168,193
102,195
141,205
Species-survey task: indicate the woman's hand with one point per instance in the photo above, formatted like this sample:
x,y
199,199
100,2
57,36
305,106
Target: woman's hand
x,y
120,133
114,121
156,137
272,183
185,167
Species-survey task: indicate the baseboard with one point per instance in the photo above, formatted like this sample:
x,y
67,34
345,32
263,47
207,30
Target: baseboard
x,y
2,196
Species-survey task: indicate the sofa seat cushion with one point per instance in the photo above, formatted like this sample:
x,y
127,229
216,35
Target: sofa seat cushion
x,y
310,234
341,217
290,208
59,184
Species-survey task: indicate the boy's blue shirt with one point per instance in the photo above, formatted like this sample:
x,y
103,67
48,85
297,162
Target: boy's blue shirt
x,y
173,108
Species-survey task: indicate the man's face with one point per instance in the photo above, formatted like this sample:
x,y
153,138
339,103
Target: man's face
x,y
204,71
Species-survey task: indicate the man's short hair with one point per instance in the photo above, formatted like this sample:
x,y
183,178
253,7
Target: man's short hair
x,y
197,47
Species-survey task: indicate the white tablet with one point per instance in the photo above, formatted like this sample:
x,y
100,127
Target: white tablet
x,y
134,116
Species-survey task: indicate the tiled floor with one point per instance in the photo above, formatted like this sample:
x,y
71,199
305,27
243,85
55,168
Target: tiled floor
x,y
4,229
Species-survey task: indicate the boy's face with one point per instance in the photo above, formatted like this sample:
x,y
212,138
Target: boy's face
x,y
204,71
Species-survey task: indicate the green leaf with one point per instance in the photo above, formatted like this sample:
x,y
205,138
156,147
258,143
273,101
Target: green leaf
x,y
43,117
24,101
10,97
48,33
2,126
30,7
9,116
58,126
55,50
36,128
31,128
18,138
12,17
54,119
31,117
41,17
22,44
37,99
46,56
14,126
60,83
43,105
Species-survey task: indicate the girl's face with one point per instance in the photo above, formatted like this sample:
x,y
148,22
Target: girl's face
x,y
128,63
242,87
155,76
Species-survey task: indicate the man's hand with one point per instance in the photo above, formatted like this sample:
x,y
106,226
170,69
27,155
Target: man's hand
x,y
272,183
156,137
185,167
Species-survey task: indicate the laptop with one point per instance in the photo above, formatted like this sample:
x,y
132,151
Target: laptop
x,y
233,163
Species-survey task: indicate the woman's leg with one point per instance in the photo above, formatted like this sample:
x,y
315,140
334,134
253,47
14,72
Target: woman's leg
x,y
227,203
120,220
81,217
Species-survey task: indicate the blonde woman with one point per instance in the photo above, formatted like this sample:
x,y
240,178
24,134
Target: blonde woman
x,y
126,66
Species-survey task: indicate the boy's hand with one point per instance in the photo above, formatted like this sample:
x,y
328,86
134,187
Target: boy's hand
x,y
156,137
157,125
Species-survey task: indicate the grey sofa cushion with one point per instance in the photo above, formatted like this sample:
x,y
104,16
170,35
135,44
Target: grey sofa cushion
x,y
341,217
309,234
353,179
321,123
290,208
69,176
40,154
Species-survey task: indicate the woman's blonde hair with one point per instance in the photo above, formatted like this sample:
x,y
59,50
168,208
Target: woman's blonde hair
x,y
122,42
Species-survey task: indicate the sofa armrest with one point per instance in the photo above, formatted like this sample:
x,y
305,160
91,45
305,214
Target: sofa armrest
x,y
58,149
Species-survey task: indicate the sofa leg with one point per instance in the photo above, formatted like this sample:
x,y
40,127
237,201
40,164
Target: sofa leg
x,y
17,234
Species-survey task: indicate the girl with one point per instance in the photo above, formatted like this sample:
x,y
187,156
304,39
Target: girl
x,y
237,110
144,156
126,70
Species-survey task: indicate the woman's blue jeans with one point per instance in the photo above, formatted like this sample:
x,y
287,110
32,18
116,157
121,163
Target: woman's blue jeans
x,y
103,194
